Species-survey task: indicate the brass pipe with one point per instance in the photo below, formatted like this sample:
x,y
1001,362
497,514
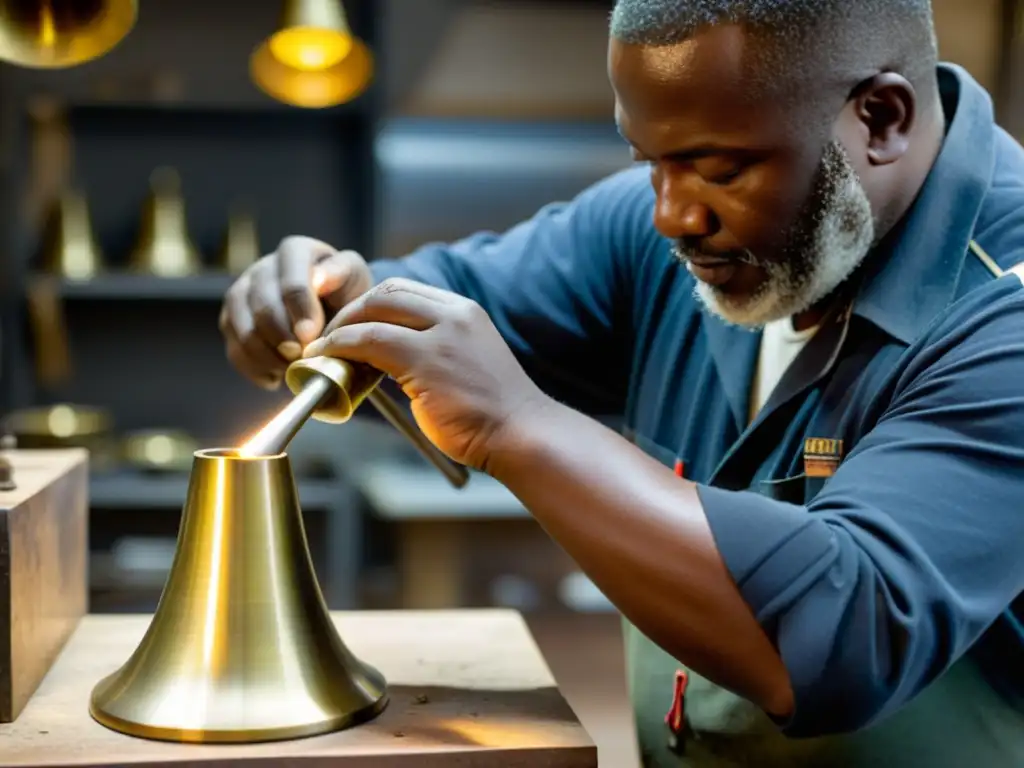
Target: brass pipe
x,y
330,390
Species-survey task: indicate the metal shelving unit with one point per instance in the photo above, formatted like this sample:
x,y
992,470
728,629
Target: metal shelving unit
x,y
127,287
146,349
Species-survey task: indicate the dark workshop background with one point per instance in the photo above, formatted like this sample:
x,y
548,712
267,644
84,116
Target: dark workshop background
x,y
479,113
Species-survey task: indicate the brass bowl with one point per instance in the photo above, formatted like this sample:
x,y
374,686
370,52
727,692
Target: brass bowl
x,y
157,450
59,425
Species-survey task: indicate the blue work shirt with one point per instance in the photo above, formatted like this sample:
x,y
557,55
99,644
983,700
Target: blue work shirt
x,y
872,582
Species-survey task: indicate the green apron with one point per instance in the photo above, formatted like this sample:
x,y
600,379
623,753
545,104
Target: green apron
x,y
957,722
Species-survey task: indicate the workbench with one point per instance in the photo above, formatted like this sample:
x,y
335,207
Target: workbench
x,y
467,688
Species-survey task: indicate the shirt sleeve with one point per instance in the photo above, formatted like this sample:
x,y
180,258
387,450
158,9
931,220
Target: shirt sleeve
x,y
557,286
913,548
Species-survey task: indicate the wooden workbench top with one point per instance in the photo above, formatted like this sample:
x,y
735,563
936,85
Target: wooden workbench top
x,y
468,688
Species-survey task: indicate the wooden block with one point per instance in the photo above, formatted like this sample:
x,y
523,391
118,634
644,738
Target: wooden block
x,y
44,548
468,688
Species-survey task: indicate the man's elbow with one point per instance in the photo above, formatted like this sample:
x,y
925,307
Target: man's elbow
x,y
859,646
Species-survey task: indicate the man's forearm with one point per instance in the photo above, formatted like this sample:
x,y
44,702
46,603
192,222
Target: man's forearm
x,y
640,533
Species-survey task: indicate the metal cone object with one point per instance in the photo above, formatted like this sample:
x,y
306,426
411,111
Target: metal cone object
x,y
242,647
52,34
70,248
241,246
164,248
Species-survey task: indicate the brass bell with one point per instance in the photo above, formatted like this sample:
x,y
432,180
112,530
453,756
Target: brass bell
x,y
70,248
52,34
313,60
164,248
242,647
241,246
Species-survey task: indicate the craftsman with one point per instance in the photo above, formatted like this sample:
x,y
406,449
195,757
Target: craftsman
x,y
801,301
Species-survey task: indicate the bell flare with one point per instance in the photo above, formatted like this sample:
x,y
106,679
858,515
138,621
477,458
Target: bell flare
x,y
307,85
242,647
54,34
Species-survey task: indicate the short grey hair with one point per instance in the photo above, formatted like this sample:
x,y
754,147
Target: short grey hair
x,y
847,36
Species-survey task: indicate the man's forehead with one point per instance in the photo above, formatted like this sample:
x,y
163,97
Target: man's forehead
x,y
712,82
722,64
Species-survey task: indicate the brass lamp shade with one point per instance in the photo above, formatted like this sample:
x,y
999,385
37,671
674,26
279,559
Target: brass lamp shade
x,y
242,647
313,60
52,34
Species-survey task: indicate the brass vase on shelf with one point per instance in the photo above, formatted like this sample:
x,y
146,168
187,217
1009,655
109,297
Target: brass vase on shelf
x,y
164,248
241,246
242,647
70,249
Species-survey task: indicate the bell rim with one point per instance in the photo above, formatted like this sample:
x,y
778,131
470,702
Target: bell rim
x,y
359,716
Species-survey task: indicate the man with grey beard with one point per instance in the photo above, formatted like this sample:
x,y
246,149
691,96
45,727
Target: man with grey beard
x,y
811,523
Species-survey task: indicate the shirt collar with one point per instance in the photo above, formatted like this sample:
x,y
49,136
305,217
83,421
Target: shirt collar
x,y
910,283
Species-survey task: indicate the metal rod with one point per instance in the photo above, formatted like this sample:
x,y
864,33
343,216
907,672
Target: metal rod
x,y
279,431
273,438
456,474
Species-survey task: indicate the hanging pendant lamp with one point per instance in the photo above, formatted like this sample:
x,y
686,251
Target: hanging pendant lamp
x,y
313,60
52,34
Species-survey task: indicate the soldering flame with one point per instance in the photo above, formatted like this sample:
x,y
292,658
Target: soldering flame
x,y
245,450
250,449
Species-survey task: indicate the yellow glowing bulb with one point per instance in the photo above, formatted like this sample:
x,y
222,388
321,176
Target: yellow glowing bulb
x,y
310,49
47,28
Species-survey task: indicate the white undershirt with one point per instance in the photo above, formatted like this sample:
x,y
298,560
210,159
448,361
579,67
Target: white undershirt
x,y
780,344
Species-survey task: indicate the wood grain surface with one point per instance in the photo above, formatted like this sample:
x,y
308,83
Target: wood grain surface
x,y
469,688
43,567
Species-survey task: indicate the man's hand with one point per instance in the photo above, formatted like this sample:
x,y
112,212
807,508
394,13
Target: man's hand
x,y
274,309
465,385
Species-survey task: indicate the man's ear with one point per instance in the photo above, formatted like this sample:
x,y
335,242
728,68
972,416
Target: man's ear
x,y
886,107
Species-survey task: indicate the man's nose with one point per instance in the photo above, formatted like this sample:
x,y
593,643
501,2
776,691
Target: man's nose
x,y
678,221
678,216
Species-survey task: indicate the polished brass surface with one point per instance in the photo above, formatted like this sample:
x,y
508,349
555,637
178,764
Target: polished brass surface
x,y
51,34
313,60
241,647
353,382
164,247
69,247
241,247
